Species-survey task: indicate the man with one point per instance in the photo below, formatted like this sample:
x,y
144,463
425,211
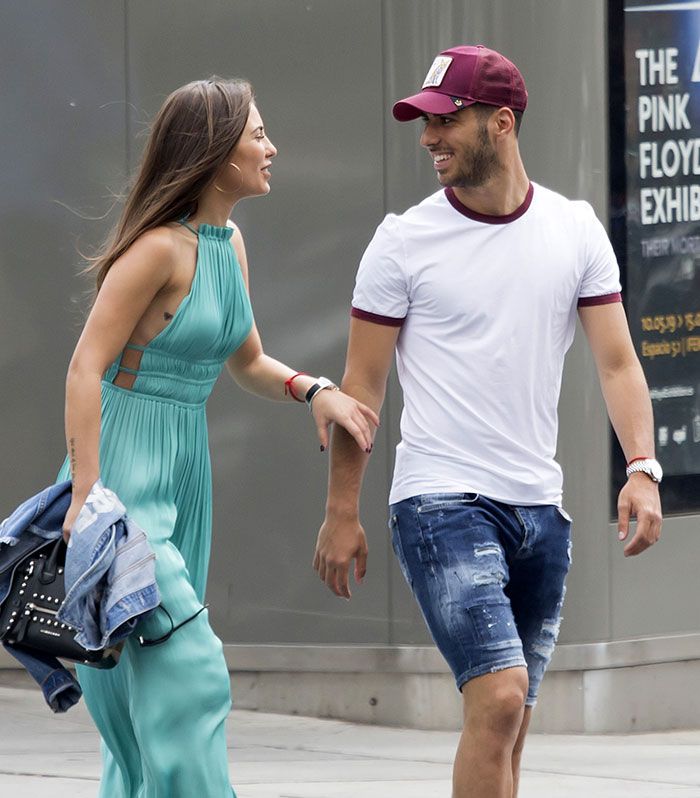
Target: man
x,y
477,289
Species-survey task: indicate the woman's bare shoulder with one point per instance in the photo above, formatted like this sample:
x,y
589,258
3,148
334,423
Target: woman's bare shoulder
x,y
150,259
162,243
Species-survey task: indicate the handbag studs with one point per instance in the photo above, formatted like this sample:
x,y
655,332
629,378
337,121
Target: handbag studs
x,y
29,618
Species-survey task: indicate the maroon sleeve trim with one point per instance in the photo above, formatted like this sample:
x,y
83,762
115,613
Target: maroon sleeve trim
x,y
365,315
606,299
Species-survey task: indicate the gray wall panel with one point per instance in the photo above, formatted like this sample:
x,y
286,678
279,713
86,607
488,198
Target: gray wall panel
x,y
657,594
80,83
303,242
63,148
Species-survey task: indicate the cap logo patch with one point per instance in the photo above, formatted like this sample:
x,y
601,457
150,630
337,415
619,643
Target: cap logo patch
x,y
437,71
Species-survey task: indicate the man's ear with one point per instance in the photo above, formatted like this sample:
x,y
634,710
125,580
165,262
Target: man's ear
x,y
504,120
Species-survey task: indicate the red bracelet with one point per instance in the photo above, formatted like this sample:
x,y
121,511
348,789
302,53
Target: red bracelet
x,y
635,459
288,389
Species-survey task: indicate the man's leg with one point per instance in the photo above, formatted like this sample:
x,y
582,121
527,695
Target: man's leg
x,y
494,709
518,750
537,594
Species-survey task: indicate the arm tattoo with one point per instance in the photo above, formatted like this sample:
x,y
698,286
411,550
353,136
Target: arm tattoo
x,y
73,458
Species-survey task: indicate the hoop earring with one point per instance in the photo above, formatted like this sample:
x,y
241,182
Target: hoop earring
x,y
223,190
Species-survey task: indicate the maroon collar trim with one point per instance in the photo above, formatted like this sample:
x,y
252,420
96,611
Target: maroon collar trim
x,y
485,218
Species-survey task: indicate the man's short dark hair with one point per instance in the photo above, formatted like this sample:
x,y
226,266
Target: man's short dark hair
x,y
483,110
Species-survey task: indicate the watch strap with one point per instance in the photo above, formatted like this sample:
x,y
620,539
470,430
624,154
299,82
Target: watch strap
x,y
322,383
645,465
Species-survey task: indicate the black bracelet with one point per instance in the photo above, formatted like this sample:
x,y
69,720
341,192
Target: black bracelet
x,y
313,390
319,385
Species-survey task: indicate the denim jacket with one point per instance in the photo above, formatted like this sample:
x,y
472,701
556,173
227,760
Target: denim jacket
x,y
110,573
59,686
110,567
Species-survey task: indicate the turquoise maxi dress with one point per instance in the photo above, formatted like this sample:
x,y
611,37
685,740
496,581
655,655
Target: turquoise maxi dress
x,y
161,711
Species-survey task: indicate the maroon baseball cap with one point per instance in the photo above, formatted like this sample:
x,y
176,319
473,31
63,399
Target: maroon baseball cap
x,y
462,76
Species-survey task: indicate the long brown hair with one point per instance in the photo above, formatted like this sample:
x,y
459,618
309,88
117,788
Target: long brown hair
x,y
190,139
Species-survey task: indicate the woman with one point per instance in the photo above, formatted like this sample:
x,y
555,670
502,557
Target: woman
x,y
172,308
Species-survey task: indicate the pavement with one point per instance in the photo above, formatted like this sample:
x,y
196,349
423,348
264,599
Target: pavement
x,y
278,756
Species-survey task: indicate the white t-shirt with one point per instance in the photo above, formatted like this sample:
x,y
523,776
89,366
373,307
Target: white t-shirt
x,y
487,307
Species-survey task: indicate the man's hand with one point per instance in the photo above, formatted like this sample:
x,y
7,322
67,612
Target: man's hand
x,y
640,498
339,543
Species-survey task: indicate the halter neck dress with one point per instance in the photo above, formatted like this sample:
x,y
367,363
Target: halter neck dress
x,y
161,711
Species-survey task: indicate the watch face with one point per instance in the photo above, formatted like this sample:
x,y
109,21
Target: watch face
x,y
656,470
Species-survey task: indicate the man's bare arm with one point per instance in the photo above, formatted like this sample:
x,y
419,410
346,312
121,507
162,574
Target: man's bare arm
x,y
627,399
341,538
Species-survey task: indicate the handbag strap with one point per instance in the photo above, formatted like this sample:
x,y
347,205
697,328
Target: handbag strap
x,y
48,575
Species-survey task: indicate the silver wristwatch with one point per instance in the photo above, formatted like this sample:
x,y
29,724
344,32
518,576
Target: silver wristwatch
x,y
652,468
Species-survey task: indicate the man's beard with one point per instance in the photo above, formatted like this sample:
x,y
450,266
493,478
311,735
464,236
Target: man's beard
x,y
476,164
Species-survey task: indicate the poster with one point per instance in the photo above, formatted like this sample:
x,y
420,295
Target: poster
x,y
662,162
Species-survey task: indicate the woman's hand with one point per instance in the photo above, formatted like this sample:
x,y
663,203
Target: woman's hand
x,y
330,406
76,506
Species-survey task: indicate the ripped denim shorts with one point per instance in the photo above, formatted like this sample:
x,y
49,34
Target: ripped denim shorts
x,y
488,577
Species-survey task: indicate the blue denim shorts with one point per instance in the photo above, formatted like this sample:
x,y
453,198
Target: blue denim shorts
x,y
488,577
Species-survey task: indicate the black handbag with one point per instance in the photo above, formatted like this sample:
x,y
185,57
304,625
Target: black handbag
x,y
28,615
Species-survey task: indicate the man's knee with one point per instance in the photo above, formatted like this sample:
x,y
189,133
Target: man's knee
x,y
495,702
504,711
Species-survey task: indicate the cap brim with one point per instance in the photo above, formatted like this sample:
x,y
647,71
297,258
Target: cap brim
x,y
427,102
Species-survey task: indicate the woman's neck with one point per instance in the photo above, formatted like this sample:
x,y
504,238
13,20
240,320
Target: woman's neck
x,y
213,210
